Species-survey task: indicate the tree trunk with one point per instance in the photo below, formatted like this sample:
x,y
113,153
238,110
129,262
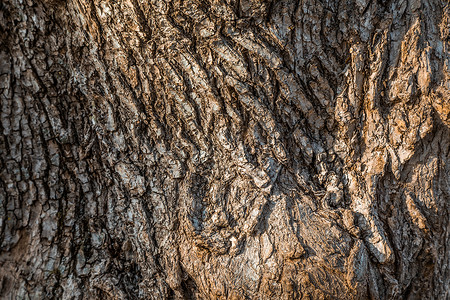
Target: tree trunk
x,y
224,149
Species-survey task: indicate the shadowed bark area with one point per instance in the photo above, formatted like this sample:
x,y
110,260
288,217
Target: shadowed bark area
x,y
224,149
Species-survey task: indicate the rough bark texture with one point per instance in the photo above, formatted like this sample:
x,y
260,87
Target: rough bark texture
x,y
224,149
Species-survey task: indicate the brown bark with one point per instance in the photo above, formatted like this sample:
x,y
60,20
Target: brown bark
x,y
224,149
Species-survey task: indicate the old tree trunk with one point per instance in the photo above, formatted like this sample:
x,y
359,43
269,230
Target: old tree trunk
x,y
224,149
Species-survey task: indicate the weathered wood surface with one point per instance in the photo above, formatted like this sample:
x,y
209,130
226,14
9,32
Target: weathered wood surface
x,y
224,149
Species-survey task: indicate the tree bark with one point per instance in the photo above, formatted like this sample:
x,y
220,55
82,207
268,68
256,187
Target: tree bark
x,y
224,149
